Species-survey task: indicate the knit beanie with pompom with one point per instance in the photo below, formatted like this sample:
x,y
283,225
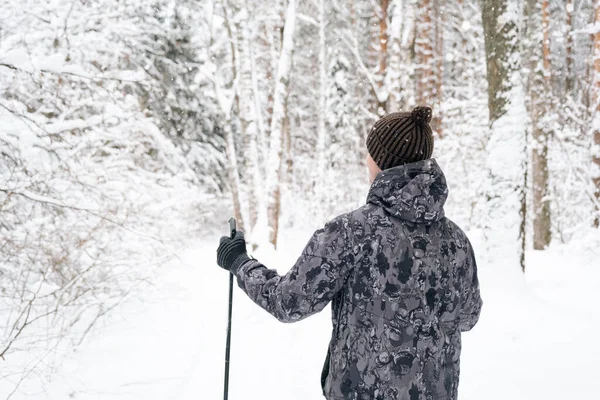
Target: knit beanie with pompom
x,y
401,138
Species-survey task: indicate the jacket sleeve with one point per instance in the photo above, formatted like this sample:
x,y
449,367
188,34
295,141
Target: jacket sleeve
x,y
472,303
312,282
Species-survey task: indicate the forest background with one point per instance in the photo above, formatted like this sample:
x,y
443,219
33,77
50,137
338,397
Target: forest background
x,y
129,129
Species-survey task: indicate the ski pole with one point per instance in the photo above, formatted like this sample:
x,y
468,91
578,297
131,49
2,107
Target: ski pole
x,y
232,229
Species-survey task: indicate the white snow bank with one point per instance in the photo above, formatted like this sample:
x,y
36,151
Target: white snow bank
x,y
536,338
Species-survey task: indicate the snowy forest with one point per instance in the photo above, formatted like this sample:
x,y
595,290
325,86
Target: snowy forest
x,y
132,129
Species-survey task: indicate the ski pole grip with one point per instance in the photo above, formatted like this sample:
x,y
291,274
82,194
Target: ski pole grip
x,y
232,227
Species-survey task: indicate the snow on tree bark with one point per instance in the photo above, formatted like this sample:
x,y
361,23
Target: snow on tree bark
x,y
507,146
382,108
439,65
424,51
596,115
275,160
569,46
233,172
250,115
322,112
401,58
541,113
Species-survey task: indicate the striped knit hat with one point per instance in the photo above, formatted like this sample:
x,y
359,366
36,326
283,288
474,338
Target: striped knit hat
x,y
401,138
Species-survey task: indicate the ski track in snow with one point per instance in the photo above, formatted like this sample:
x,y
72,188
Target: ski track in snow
x,y
536,339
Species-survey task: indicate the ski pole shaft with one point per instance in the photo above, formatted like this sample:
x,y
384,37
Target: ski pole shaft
x,y
232,229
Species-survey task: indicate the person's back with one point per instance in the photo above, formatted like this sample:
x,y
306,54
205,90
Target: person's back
x,y
413,288
401,277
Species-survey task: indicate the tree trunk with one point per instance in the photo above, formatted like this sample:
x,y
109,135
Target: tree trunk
x,y
275,162
233,174
542,233
289,161
377,53
252,124
395,45
439,66
569,47
383,53
321,127
507,146
401,59
596,118
230,150
425,77
542,226
273,41
260,122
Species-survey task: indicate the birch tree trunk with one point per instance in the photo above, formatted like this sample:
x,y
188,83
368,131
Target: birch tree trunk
x,y
250,115
321,127
233,175
275,161
401,58
258,108
596,118
273,41
507,146
541,94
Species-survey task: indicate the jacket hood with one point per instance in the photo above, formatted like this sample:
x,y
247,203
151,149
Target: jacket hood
x,y
414,192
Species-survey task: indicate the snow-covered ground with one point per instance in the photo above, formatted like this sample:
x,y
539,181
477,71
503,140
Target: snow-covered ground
x,y
537,337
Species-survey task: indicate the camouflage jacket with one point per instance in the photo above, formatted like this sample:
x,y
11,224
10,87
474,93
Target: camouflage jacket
x,y
402,281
